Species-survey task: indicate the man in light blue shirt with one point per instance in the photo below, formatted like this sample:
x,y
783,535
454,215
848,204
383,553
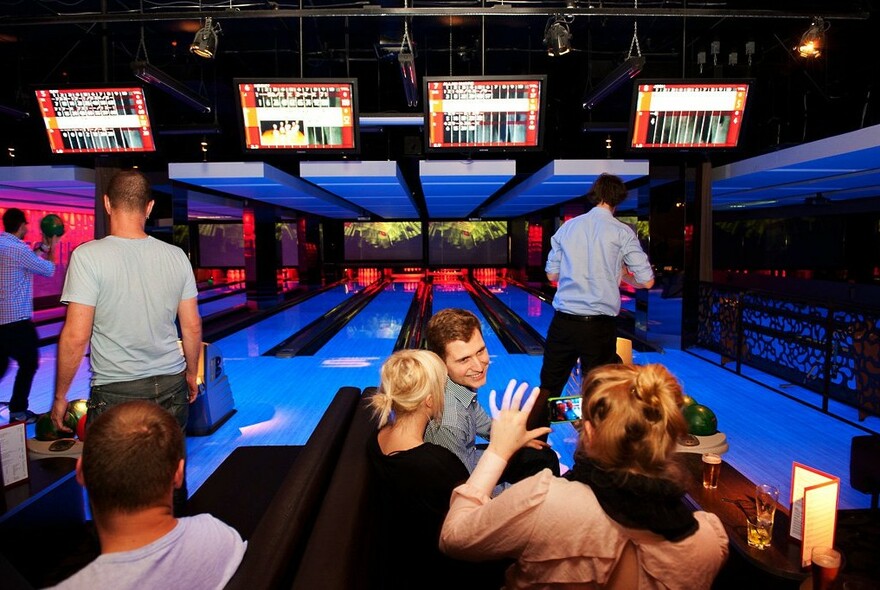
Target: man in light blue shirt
x,y
589,256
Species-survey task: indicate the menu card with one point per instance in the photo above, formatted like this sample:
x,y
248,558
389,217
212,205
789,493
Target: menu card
x,y
13,453
814,497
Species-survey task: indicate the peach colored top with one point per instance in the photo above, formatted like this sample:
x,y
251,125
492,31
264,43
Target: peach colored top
x,y
560,537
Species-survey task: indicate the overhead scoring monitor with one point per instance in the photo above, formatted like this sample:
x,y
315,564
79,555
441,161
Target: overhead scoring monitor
x,y
299,115
686,114
96,120
484,113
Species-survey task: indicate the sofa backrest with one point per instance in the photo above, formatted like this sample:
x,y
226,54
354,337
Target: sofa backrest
x,y
337,556
276,548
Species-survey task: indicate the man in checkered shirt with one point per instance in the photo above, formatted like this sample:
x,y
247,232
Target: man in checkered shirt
x,y
18,334
455,335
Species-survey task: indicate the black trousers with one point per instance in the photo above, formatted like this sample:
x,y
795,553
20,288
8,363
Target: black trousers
x,y
19,341
593,339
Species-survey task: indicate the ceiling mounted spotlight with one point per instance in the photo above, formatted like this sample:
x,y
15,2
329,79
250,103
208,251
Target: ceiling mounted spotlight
x,y
205,42
557,36
812,42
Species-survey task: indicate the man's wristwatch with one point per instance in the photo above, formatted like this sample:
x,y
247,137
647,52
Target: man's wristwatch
x,y
42,247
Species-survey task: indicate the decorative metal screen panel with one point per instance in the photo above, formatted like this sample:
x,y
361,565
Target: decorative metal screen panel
x,y
835,352
784,338
718,325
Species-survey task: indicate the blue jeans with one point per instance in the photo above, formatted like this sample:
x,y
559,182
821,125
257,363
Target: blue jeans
x,y
169,391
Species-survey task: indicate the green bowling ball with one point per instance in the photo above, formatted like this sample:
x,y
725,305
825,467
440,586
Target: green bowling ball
x,y
44,429
700,419
71,420
687,401
52,226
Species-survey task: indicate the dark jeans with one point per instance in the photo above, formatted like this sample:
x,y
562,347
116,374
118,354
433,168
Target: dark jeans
x,y
19,341
169,391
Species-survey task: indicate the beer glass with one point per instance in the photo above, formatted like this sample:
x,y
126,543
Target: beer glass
x,y
711,470
826,565
766,498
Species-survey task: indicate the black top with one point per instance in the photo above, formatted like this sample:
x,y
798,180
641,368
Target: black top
x,y
414,488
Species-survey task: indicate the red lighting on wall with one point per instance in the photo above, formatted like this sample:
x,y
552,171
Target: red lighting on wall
x,y
535,244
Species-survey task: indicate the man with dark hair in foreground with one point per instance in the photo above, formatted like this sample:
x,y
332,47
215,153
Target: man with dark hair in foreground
x,y
131,463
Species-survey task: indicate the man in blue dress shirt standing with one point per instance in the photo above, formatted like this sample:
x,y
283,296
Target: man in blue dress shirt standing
x,y
589,256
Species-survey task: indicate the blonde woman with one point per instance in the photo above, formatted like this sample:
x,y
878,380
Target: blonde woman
x,y
415,478
623,496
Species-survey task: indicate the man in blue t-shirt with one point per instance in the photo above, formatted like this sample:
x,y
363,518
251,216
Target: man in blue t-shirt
x,y
123,295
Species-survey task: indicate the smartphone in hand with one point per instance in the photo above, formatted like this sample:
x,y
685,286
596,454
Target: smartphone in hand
x,y
564,409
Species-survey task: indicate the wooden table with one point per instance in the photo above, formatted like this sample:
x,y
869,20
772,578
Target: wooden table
x,y
734,496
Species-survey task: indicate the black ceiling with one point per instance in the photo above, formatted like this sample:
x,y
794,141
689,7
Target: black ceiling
x,y
92,41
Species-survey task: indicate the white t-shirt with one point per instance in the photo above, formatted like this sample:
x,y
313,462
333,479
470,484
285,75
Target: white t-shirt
x,y
200,553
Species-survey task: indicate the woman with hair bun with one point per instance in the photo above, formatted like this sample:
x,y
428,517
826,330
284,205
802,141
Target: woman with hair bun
x,y
617,519
415,478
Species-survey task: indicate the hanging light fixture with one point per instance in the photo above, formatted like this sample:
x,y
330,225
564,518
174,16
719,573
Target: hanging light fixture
x,y
406,59
557,36
629,69
205,42
812,42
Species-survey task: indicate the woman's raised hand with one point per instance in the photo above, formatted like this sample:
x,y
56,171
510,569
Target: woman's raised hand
x,y
509,433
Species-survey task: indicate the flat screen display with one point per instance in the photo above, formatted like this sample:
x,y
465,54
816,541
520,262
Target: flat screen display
x,y
467,243
484,113
298,115
221,245
688,115
96,120
383,241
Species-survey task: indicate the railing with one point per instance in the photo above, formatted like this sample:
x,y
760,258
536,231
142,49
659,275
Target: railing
x,y
825,347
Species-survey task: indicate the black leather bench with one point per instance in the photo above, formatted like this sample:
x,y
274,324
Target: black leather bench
x,y
338,553
277,543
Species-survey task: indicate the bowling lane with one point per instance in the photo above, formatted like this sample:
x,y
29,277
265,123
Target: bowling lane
x,y
213,306
371,334
530,308
260,337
